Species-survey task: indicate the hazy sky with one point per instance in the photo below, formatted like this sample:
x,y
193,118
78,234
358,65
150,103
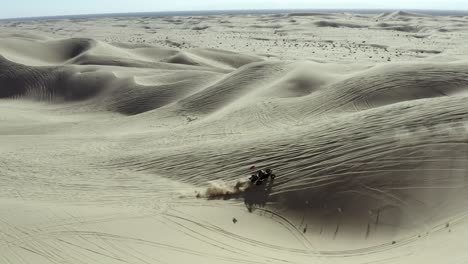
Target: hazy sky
x,y
28,8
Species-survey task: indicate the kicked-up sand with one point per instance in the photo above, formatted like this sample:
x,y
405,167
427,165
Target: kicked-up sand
x,y
129,140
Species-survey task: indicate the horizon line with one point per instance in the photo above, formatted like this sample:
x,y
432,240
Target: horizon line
x,y
233,10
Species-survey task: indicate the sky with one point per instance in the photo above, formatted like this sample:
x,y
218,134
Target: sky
x,y
33,8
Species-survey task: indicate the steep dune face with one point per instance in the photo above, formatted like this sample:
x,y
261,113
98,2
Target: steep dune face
x,y
237,85
22,49
106,146
79,78
48,82
396,83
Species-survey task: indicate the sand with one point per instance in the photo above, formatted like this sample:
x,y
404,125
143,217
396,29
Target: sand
x,y
129,140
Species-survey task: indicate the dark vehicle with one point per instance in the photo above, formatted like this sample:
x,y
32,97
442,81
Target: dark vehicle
x,y
261,175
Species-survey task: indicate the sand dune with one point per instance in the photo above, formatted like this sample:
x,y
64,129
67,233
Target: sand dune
x,y
124,144
400,15
337,24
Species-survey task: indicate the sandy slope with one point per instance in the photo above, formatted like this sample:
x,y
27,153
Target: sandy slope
x,y
111,128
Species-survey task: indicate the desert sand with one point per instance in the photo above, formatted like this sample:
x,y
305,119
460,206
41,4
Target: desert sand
x,y
129,139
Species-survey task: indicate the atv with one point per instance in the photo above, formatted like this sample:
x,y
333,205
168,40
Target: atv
x,y
261,175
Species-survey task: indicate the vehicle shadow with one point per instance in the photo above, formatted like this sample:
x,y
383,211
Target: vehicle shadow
x,y
258,195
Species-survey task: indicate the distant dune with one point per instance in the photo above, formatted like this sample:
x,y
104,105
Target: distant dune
x,y
130,140
397,15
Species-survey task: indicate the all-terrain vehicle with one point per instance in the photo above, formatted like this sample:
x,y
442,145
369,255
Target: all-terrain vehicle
x,y
261,175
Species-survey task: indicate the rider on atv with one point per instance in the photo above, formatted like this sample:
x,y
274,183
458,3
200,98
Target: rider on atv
x,y
258,177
